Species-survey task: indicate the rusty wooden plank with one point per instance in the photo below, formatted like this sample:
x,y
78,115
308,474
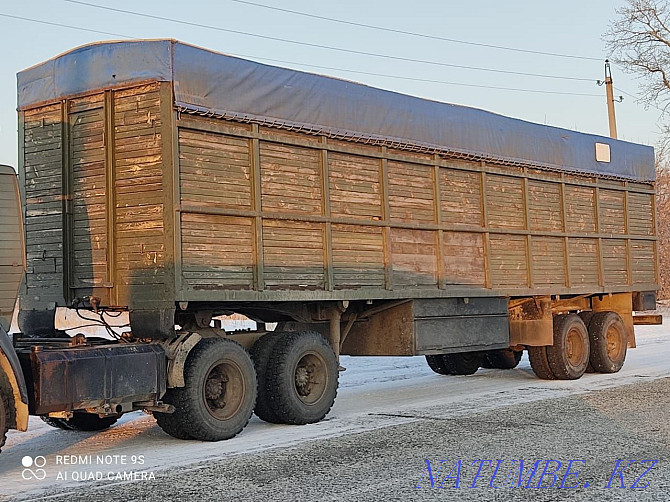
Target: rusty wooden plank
x,y
326,212
67,206
110,194
386,212
485,227
254,145
529,237
437,210
566,240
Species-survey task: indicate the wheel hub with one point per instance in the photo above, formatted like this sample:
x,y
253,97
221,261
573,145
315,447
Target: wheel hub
x,y
303,377
614,343
310,378
215,390
574,348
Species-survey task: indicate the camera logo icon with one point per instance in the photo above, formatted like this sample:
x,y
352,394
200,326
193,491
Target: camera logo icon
x,y
33,467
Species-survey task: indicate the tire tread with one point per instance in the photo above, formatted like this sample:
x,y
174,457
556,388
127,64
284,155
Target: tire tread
x,y
279,390
185,399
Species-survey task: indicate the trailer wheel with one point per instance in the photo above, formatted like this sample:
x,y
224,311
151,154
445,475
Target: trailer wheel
x,y
568,357
4,417
260,355
463,363
504,359
586,316
436,363
301,379
220,391
607,335
539,363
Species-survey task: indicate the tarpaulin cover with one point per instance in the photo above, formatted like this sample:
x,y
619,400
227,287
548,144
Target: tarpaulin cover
x,y
239,89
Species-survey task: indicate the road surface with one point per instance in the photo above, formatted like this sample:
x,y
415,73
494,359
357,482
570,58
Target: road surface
x,y
391,415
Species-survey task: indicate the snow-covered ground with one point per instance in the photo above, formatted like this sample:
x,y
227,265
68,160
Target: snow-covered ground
x,y
374,393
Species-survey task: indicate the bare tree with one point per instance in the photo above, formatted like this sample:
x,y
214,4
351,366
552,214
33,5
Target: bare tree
x,y
639,41
663,219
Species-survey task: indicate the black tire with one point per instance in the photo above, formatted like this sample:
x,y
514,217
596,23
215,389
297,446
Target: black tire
x,y
436,363
301,378
89,422
168,422
56,423
539,363
463,363
261,353
586,317
503,359
4,417
568,357
219,395
607,336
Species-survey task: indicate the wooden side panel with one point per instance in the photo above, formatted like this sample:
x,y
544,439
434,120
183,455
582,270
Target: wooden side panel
x,y
548,257
355,188
42,136
293,254
583,262
544,203
411,192
642,259
89,188
461,198
505,202
580,209
402,252
612,216
358,257
508,261
414,257
640,210
290,179
217,252
214,170
139,198
463,258
11,250
614,262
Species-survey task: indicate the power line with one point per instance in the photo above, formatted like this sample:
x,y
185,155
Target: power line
x,y
413,33
320,46
416,79
64,26
638,98
347,70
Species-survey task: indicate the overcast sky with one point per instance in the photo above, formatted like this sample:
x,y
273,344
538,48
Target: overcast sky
x,y
568,27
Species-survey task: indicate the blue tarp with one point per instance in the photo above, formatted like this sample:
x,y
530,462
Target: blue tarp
x,y
221,85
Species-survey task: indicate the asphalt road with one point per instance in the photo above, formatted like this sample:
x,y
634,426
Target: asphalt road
x,y
392,415
595,430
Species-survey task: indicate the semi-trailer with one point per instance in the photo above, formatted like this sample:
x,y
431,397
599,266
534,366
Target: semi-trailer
x,y
179,184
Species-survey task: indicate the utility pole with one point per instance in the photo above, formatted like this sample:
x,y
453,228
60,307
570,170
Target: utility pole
x,y
610,99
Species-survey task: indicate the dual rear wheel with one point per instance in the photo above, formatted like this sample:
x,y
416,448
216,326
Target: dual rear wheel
x,y
297,377
289,377
591,340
